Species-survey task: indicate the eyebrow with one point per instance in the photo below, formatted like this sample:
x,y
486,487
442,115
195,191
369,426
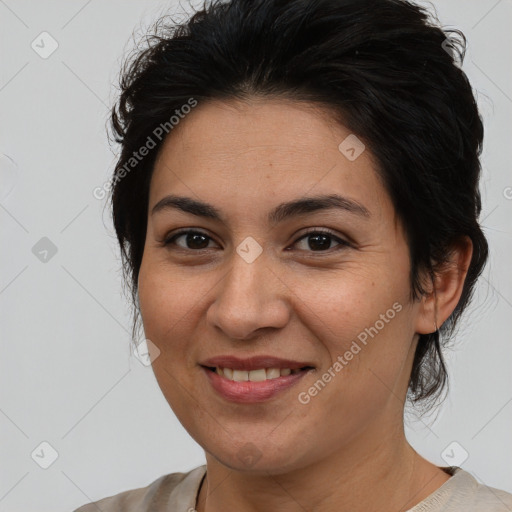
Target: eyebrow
x,y
280,213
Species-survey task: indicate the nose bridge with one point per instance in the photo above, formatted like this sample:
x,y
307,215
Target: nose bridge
x,y
249,296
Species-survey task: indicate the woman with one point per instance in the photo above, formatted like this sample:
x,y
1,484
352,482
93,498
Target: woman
x,y
297,205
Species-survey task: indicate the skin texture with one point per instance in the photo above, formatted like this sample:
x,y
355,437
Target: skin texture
x,y
294,301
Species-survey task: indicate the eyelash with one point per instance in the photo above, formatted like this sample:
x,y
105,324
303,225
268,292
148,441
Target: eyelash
x,y
311,231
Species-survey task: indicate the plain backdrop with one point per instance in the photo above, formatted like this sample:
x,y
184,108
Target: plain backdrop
x,y
72,395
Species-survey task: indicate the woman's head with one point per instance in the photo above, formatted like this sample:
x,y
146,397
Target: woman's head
x,y
252,104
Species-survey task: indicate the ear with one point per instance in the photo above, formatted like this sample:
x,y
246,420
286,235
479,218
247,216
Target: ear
x,y
444,293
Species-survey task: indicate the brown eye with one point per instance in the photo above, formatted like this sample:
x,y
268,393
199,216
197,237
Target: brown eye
x,y
314,240
193,240
320,241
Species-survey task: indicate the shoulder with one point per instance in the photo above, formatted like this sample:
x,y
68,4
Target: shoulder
x,y
486,498
171,488
463,493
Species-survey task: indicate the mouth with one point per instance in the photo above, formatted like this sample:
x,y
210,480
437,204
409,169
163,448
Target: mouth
x,y
253,380
258,375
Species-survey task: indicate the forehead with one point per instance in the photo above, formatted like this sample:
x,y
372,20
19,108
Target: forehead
x,y
256,151
236,128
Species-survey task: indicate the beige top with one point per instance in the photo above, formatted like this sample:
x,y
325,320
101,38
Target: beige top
x,y
177,492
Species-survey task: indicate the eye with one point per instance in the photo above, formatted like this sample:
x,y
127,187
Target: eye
x,y
319,240
193,240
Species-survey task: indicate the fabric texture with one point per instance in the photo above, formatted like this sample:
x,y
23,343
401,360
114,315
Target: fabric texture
x,y
177,492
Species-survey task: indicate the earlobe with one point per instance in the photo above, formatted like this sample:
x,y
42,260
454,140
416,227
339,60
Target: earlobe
x,y
445,291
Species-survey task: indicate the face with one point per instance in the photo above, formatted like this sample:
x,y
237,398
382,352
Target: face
x,y
323,286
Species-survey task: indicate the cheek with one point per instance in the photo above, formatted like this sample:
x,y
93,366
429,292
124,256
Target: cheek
x,y
344,303
172,305
163,296
167,309
164,300
363,322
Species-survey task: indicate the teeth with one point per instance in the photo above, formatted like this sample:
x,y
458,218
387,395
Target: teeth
x,y
254,375
273,373
257,375
240,375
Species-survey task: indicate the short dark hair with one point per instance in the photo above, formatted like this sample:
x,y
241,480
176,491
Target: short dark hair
x,y
384,68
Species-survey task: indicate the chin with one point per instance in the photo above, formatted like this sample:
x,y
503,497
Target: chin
x,y
247,457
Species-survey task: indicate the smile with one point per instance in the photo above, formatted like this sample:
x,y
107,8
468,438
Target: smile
x,y
254,375
254,386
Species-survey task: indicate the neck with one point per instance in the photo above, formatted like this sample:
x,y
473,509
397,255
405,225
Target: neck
x,y
371,474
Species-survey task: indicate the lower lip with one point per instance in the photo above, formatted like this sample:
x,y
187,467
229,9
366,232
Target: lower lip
x,y
248,392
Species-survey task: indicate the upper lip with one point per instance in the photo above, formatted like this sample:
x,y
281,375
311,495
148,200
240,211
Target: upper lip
x,y
252,363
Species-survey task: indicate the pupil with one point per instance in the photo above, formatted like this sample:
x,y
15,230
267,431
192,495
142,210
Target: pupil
x,y
323,244
194,243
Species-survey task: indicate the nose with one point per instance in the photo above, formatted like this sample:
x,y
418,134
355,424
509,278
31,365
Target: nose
x,y
249,298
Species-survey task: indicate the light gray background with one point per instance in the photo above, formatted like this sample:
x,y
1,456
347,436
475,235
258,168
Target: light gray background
x,y
67,375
